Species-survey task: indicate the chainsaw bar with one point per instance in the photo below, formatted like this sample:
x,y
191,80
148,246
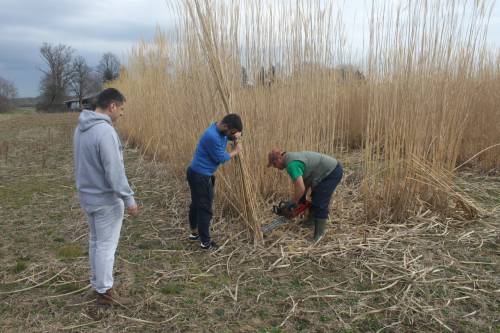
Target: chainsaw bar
x,y
274,224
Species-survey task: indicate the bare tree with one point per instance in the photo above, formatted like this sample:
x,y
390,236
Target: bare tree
x,y
83,80
57,76
94,84
244,76
109,67
7,92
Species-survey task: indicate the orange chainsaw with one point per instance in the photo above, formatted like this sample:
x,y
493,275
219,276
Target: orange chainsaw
x,y
286,211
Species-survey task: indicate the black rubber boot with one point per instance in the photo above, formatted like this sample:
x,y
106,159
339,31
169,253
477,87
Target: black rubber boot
x,y
319,228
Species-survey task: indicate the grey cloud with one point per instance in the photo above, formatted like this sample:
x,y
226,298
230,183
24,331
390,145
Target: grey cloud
x,y
90,27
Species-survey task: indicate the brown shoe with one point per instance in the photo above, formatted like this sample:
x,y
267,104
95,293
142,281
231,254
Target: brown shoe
x,y
110,298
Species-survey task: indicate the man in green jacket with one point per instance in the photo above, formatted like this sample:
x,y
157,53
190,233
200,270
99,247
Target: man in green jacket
x,y
310,170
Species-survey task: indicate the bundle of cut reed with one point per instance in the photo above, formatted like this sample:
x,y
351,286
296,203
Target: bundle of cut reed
x,y
204,24
441,185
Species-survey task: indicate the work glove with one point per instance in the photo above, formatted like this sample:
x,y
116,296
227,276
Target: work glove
x,y
302,199
289,207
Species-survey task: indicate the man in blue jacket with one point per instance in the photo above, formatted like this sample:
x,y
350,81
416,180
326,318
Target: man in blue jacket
x,y
102,187
209,154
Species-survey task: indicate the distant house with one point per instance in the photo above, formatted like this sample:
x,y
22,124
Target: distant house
x,y
339,74
88,102
264,77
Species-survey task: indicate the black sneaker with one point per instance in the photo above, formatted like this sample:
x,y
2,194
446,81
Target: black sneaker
x,y
194,237
209,246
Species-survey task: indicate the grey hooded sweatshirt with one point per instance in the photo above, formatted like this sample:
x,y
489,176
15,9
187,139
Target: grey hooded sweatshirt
x,y
99,170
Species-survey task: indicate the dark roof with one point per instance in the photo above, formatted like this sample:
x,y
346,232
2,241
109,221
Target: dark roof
x,y
84,98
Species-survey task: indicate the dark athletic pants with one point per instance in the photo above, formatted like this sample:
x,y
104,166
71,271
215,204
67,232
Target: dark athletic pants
x,y
322,193
202,197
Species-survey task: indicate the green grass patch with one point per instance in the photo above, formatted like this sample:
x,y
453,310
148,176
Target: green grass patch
x,y
217,282
296,283
324,318
69,251
20,266
204,293
219,312
3,308
280,293
189,301
24,110
16,195
302,324
56,217
172,289
249,291
58,239
20,111
149,245
68,287
370,323
263,314
265,281
271,330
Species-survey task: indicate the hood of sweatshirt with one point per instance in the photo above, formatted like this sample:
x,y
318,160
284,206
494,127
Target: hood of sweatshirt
x,y
89,119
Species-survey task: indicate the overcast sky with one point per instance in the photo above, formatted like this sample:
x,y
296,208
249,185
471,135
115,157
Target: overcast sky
x,y
91,28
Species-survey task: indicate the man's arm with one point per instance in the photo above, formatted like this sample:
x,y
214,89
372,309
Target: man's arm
x,y
295,170
114,170
304,196
299,189
218,153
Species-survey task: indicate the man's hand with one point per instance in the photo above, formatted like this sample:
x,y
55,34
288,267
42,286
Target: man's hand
x,y
237,149
236,136
303,198
133,210
289,207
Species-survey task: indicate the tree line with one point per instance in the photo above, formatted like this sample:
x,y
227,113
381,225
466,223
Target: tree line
x,y
68,76
8,92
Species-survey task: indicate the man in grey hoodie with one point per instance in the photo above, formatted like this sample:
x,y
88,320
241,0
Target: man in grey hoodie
x,y
102,187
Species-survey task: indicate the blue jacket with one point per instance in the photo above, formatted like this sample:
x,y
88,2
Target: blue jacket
x,y
99,170
210,152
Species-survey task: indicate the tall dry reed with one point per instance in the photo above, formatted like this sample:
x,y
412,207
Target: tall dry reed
x,y
423,93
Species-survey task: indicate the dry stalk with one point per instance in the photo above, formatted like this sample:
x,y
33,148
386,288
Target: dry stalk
x,y
442,181
72,327
33,287
291,312
207,39
143,321
70,293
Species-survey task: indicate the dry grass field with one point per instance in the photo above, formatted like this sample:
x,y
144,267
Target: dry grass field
x,y
429,274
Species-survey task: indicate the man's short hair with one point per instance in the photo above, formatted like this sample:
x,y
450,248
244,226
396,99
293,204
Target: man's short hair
x,y
273,156
108,96
233,121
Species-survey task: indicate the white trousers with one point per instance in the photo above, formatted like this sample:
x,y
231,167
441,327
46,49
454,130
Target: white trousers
x,y
105,223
